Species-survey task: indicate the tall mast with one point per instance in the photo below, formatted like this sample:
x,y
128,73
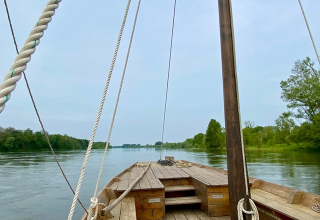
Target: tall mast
x,y
235,160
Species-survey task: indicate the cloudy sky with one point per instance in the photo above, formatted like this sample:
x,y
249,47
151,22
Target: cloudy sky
x,y
68,71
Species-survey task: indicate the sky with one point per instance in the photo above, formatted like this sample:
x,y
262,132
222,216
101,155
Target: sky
x,y
68,71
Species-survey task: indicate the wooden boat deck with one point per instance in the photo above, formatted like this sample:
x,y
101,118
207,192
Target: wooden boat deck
x,y
201,192
193,214
157,173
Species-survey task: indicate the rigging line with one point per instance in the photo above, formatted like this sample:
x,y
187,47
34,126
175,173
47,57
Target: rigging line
x,y
20,63
35,108
305,19
84,165
165,103
119,93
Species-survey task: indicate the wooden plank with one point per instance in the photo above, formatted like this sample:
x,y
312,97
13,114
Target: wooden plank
x,y
133,173
181,172
116,210
144,184
155,183
201,215
190,215
178,215
128,204
276,189
169,216
114,185
150,214
125,176
149,174
150,202
142,199
173,172
164,171
123,185
179,188
182,200
221,218
128,210
175,182
309,199
156,171
218,189
279,204
218,210
188,171
210,176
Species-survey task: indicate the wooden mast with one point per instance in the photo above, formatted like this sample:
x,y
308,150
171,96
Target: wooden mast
x,y
236,179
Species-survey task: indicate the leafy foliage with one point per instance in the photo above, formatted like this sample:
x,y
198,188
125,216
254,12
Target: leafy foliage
x,y
27,140
302,90
213,134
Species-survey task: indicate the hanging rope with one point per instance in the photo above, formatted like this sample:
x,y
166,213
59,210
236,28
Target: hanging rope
x,y
168,77
116,106
99,114
35,108
305,19
20,63
241,210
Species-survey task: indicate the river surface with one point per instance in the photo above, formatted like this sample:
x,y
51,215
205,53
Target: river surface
x,y
32,187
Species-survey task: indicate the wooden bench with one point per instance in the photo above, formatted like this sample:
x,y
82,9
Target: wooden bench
x,y
285,202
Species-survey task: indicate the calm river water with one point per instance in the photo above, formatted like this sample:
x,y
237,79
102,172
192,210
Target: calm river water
x,y
32,187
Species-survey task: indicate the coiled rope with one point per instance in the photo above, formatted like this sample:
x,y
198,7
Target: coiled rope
x,y
240,207
316,208
29,47
99,114
113,117
36,110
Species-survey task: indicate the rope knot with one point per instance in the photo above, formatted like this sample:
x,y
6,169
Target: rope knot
x,y
242,210
94,202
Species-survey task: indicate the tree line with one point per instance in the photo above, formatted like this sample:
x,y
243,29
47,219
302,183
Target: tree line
x,y
27,140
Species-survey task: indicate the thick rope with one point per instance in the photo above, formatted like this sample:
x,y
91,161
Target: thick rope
x,y
241,210
168,77
35,108
240,203
316,208
20,63
118,98
99,114
305,19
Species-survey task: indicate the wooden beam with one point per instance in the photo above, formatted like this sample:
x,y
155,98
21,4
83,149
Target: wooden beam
x,y
236,180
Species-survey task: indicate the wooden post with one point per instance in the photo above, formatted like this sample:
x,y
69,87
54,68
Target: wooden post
x,y
236,180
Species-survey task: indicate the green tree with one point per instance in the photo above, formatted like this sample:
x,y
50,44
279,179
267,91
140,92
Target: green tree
x,y
158,143
198,140
213,134
284,126
9,146
302,90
